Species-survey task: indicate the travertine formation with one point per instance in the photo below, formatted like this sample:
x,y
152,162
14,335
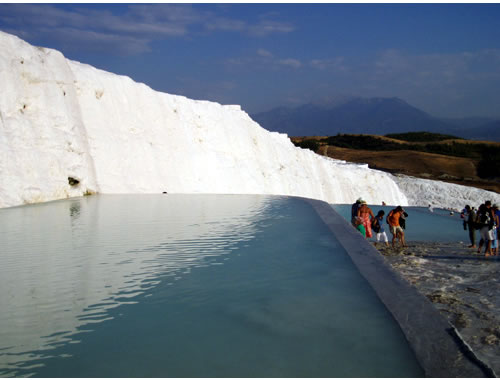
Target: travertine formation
x,y
68,129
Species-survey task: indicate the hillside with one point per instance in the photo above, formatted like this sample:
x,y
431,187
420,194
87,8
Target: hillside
x,y
399,157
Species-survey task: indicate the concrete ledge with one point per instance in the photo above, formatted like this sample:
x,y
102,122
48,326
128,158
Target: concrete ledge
x,y
438,348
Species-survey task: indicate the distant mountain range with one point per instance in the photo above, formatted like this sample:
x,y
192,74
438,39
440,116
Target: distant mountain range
x,y
371,116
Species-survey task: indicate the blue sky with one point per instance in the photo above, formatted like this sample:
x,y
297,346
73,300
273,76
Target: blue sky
x,y
442,58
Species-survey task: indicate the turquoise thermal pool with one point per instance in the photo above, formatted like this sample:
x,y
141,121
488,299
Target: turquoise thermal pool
x,y
187,286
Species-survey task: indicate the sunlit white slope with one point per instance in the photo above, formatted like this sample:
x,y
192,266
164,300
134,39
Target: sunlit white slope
x,y
42,138
64,119
424,192
61,119
146,141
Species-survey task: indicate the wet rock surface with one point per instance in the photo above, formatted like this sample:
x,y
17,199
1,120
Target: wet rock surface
x,y
462,284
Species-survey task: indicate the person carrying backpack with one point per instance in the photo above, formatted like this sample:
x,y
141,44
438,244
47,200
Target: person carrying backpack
x,y
485,223
378,227
396,230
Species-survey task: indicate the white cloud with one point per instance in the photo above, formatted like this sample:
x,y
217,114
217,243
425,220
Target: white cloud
x,y
264,53
267,27
264,60
101,42
139,24
225,24
292,62
326,64
261,29
436,70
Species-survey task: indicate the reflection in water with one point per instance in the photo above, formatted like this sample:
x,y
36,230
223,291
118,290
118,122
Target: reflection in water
x,y
74,210
65,264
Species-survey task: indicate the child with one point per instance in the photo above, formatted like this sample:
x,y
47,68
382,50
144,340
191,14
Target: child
x,y
378,227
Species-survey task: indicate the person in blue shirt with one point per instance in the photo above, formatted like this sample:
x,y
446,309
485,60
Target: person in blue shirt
x,y
378,227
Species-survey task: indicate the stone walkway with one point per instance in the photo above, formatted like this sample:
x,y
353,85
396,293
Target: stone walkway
x,y
463,285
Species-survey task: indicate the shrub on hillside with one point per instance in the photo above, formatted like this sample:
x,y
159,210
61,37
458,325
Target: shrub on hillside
x,y
366,142
489,166
307,144
362,142
421,137
455,149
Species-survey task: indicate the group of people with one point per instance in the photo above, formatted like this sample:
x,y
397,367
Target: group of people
x,y
363,219
485,219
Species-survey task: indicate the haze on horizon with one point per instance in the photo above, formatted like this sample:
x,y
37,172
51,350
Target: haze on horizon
x,y
441,58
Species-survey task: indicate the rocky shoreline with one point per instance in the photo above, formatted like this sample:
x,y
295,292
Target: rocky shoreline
x,y
462,284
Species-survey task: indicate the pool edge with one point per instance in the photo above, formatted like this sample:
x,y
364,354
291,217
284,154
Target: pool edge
x,y
438,347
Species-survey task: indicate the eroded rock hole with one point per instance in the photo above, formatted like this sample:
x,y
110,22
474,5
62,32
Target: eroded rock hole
x,y
73,181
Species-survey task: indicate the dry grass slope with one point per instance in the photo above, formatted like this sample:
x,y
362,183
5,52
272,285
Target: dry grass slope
x,y
459,170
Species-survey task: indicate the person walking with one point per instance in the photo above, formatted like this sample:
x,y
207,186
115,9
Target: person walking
x,y
470,217
485,222
463,215
496,227
396,230
366,215
378,227
354,211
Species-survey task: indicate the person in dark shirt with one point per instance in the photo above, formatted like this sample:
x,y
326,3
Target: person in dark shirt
x,y
485,226
470,220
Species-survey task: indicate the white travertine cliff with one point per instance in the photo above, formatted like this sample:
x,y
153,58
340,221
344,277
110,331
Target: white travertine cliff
x,y
61,119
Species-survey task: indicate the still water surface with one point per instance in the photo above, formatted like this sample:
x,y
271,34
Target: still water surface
x,y
187,286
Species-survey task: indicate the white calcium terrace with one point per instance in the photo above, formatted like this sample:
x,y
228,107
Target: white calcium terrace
x,y
424,192
61,120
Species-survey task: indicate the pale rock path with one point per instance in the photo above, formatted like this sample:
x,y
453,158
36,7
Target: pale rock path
x,y
463,285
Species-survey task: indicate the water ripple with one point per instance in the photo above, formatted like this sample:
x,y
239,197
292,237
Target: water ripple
x,y
66,264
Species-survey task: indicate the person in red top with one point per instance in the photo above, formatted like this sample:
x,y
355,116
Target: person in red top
x,y
396,230
365,213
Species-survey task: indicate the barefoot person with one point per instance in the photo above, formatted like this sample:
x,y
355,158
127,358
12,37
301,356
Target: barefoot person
x,y
378,227
354,211
485,224
365,213
470,218
396,230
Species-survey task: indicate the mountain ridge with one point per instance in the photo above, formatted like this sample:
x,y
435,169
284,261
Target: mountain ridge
x,y
376,115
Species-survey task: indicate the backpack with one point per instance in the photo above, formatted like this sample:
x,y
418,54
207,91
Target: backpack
x,y
484,219
376,225
477,218
472,217
402,222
